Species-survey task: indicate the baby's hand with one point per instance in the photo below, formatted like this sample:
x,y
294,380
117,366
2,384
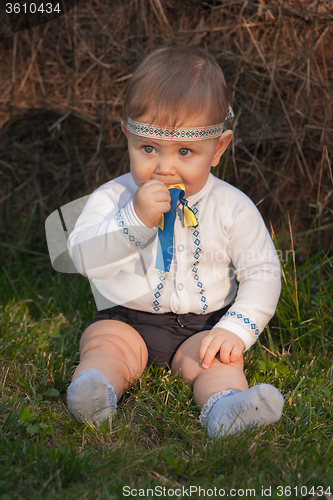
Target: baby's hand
x,y
231,347
151,200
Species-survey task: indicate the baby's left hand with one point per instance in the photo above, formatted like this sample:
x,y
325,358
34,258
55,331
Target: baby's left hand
x,y
231,347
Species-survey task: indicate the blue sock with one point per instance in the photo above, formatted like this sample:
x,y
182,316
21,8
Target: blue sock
x,y
91,398
228,412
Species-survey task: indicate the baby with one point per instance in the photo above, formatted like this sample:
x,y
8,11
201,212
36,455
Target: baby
x,y
163,246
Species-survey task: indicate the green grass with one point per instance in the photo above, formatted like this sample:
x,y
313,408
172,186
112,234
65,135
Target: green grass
x,y
155,440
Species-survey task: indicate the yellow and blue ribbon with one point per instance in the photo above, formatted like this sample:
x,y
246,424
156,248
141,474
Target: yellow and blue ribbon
x,y
166,227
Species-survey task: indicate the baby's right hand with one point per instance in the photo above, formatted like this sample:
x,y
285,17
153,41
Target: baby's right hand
x,y
151,200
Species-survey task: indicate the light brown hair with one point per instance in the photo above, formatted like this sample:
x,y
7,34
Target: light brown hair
x,y
176,82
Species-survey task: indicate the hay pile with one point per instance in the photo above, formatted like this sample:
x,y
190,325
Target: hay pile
x,y
61,97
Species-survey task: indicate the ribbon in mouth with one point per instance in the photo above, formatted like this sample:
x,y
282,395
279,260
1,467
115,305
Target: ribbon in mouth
x,y
166,226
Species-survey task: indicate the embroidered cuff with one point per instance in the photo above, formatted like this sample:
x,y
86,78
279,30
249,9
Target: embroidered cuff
x,y
137,232
241,325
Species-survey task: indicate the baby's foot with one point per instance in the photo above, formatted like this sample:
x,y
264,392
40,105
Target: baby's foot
x,y
229,412
91,398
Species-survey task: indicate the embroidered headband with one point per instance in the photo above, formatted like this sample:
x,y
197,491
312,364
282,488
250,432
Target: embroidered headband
x,y
177,133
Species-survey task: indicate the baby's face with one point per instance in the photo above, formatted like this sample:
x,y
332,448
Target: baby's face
x,y
173,162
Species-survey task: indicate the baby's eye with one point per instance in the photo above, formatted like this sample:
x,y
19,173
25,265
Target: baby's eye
x,y
185,152
149,149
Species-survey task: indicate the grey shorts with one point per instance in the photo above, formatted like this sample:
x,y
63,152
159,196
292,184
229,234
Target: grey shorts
x,y
162,333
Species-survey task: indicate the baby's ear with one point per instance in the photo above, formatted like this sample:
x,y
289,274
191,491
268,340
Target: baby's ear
x,y
221,146
124,129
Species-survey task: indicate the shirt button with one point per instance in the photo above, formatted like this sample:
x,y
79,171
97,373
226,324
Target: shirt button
x,y
180,286
180,248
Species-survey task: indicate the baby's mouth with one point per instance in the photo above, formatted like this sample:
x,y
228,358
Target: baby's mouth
x,y
179,185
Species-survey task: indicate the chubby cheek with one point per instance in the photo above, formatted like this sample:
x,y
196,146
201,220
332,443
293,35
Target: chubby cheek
x,y
139,177
141,172
194,183
136,179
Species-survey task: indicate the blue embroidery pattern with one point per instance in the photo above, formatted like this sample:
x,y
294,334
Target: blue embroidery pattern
x,y
160,287
197,255
158,292
122,225
246,320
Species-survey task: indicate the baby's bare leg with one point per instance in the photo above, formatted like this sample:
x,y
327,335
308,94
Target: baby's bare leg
x,y
207,382
222,393
115,349
112,355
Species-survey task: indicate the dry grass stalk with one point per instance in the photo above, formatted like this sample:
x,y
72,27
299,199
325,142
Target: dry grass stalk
x,y
63,86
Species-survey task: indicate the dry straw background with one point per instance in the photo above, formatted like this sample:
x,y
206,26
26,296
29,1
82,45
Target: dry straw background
x,y
62,86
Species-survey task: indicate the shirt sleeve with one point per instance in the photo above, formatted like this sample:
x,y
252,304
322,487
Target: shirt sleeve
x,y
256,267
106,236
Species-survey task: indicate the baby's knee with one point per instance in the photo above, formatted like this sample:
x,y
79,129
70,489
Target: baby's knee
x,y
106,344
186,366
190,368
130,354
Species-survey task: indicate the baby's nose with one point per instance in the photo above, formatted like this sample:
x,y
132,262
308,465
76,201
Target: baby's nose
x,y
165,166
